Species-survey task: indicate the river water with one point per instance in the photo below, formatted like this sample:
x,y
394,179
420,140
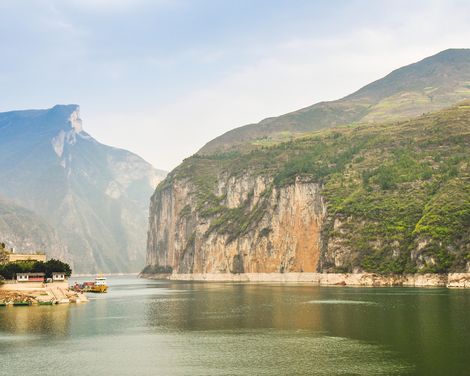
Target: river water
x,y
173,328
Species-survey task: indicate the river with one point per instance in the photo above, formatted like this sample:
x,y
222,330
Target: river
x,y
163,328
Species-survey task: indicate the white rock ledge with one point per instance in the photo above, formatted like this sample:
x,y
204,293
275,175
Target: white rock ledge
x,y
459,280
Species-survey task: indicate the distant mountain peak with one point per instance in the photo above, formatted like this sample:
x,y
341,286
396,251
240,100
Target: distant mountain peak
x,y
65,108
95,196
75,120
68,136
66,114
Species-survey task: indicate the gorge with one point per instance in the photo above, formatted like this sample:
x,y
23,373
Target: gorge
x,y
377,182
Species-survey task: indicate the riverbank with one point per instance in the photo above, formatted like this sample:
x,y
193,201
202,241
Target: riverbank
x,y
452,280
39,293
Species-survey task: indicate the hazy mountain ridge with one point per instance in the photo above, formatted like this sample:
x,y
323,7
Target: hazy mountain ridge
x,y
24,231
429,85
96,196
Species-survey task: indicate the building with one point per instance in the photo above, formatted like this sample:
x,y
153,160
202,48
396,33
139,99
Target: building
x,y
13,257
58,276
30,277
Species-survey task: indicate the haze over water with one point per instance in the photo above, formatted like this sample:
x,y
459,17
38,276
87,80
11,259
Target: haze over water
x,y
166,328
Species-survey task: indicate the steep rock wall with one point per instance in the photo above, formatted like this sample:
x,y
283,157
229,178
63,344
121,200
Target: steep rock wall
x,y
389,199
253,228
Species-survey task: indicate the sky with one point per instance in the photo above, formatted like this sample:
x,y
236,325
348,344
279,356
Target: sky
x,y
163,77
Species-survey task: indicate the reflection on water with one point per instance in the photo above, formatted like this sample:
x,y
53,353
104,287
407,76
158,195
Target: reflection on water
x,y
43,320
168,328
339,302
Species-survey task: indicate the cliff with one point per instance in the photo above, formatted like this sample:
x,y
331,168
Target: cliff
x,y
381,198
258,221
376,182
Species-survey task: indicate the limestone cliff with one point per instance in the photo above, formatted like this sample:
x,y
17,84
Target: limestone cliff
x,y
258,227
349,186
388,199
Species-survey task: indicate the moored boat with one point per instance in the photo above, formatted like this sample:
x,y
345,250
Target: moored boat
x,y
98,286
47,302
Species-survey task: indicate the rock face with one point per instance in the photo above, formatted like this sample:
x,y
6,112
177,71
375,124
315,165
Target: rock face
x,y
342,201
361,184
93,195
282,235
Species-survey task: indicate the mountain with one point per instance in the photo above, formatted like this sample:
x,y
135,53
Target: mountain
x,y
383,195
95,196
432,84
24,231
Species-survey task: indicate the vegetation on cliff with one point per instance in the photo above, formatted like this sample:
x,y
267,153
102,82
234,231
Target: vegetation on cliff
x,y
156,269
397,193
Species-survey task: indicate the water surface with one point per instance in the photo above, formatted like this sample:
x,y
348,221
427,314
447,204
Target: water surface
x,y
178,328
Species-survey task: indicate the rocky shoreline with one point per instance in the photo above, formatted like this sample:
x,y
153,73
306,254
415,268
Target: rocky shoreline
x,y
41,294
451,280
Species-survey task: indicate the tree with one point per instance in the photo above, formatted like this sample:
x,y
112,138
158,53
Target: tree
x,y
54,265
9,270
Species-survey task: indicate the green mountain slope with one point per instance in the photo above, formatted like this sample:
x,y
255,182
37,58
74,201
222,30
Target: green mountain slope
x,y
396,195
434,83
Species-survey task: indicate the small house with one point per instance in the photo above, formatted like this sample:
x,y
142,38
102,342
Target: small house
x,y
58,276
30,277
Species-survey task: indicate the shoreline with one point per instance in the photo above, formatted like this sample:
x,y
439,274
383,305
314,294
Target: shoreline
x,y
451,280
39,294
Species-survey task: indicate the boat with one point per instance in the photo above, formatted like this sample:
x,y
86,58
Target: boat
x,y
47,302
98,286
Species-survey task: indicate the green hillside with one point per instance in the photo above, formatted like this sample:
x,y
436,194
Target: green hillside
x,y
432,84
397,193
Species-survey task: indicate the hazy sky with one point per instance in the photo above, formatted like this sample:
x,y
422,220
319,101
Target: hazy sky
x,y
163,77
